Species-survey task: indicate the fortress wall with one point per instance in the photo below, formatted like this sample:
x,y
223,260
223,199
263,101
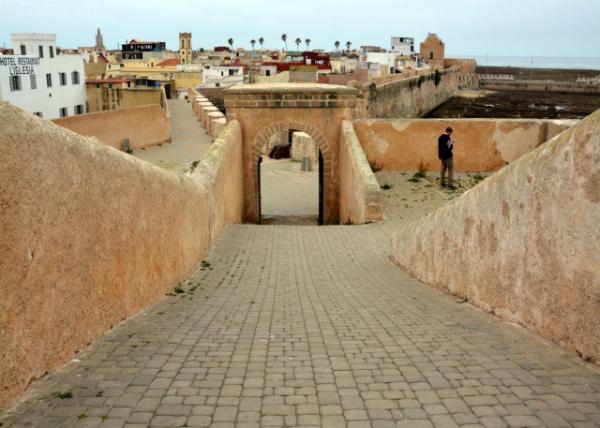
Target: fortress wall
x,y
89,236
144,126
540,86
408,97
479,144
361,200
220,173
524,243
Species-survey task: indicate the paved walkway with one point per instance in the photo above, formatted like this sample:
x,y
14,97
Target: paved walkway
x,y
189,140
313,326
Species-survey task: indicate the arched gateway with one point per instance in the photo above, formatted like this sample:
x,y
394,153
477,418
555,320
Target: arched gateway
x,y
265,109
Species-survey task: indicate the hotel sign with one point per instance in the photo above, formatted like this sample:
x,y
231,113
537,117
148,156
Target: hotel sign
x,y
19,65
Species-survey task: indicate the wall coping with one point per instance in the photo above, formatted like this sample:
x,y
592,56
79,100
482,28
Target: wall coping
x,y
290,88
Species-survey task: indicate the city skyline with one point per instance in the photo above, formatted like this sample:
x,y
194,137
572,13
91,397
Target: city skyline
x,y
468,27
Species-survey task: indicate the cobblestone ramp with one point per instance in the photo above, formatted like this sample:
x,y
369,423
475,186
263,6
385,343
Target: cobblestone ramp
x,y
313,326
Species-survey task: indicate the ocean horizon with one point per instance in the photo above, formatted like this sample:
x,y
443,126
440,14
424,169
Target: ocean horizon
x,y
531,61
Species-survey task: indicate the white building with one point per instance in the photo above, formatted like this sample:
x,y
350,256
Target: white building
x,y
387,60
40,80
223,76
403,45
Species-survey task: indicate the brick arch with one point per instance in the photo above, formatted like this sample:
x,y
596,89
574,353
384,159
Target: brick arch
x,y
321,143
268,131
265,109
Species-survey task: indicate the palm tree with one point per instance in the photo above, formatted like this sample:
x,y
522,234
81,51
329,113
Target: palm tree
x,y
230,41
261,40
252,42
298,41
337,45
348,44
307,41
284,38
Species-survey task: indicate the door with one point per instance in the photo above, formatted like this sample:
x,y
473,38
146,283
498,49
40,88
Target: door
x,y
258,193
320,187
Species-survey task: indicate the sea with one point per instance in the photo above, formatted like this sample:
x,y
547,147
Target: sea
x,y
579,63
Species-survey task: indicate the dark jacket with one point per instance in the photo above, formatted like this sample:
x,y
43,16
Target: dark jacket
x,y
445,147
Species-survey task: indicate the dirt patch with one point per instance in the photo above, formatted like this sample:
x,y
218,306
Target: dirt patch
x,y
516,104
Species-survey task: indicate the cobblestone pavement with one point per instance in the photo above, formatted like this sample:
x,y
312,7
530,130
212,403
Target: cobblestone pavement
x,y
189,141
313,326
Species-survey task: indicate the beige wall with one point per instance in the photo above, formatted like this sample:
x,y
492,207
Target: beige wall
x,y
479,144
267,109
409,97
144,126
103,99
361,200
525,243
540,86
89,236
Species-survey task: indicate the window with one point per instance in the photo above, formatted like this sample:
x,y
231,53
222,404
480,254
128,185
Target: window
x,y
51,48
41,49
33,81
38,113
62,78
23,50
97,85
15,83
231,72
79,109
64,112
75,78
49,80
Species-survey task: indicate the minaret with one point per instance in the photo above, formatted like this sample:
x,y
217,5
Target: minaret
x,y
185,48
99,41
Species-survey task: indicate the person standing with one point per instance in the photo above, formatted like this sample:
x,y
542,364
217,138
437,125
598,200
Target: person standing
x,y
445,147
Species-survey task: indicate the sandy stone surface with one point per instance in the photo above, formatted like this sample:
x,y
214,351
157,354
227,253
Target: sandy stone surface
x,y
189,141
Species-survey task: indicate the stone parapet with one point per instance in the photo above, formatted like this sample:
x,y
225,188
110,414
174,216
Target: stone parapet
x,y
524,244
361,199
296,95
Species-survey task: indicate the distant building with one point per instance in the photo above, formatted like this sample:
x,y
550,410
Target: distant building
x,y
223,76
141,50
387,60
432,51
185,48
403,45
40,80
99,42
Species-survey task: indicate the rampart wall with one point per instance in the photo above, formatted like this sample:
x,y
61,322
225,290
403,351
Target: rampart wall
x,y
479,144
525,243
407,97
144,126
361,200
89,236
540,86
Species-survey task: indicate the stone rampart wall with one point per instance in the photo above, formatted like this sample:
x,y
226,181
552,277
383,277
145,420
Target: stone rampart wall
x,y
525,243
144,126
361,200
479,144
89,236
540,86
407,98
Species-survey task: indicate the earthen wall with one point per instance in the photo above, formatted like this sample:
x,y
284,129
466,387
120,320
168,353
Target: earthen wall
x,y
143,126
525,243
479,144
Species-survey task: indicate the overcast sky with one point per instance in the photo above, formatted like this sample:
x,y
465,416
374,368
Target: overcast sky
x,y
468,27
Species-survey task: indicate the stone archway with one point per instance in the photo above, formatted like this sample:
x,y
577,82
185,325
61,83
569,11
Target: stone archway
x,y
265,109
326,170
